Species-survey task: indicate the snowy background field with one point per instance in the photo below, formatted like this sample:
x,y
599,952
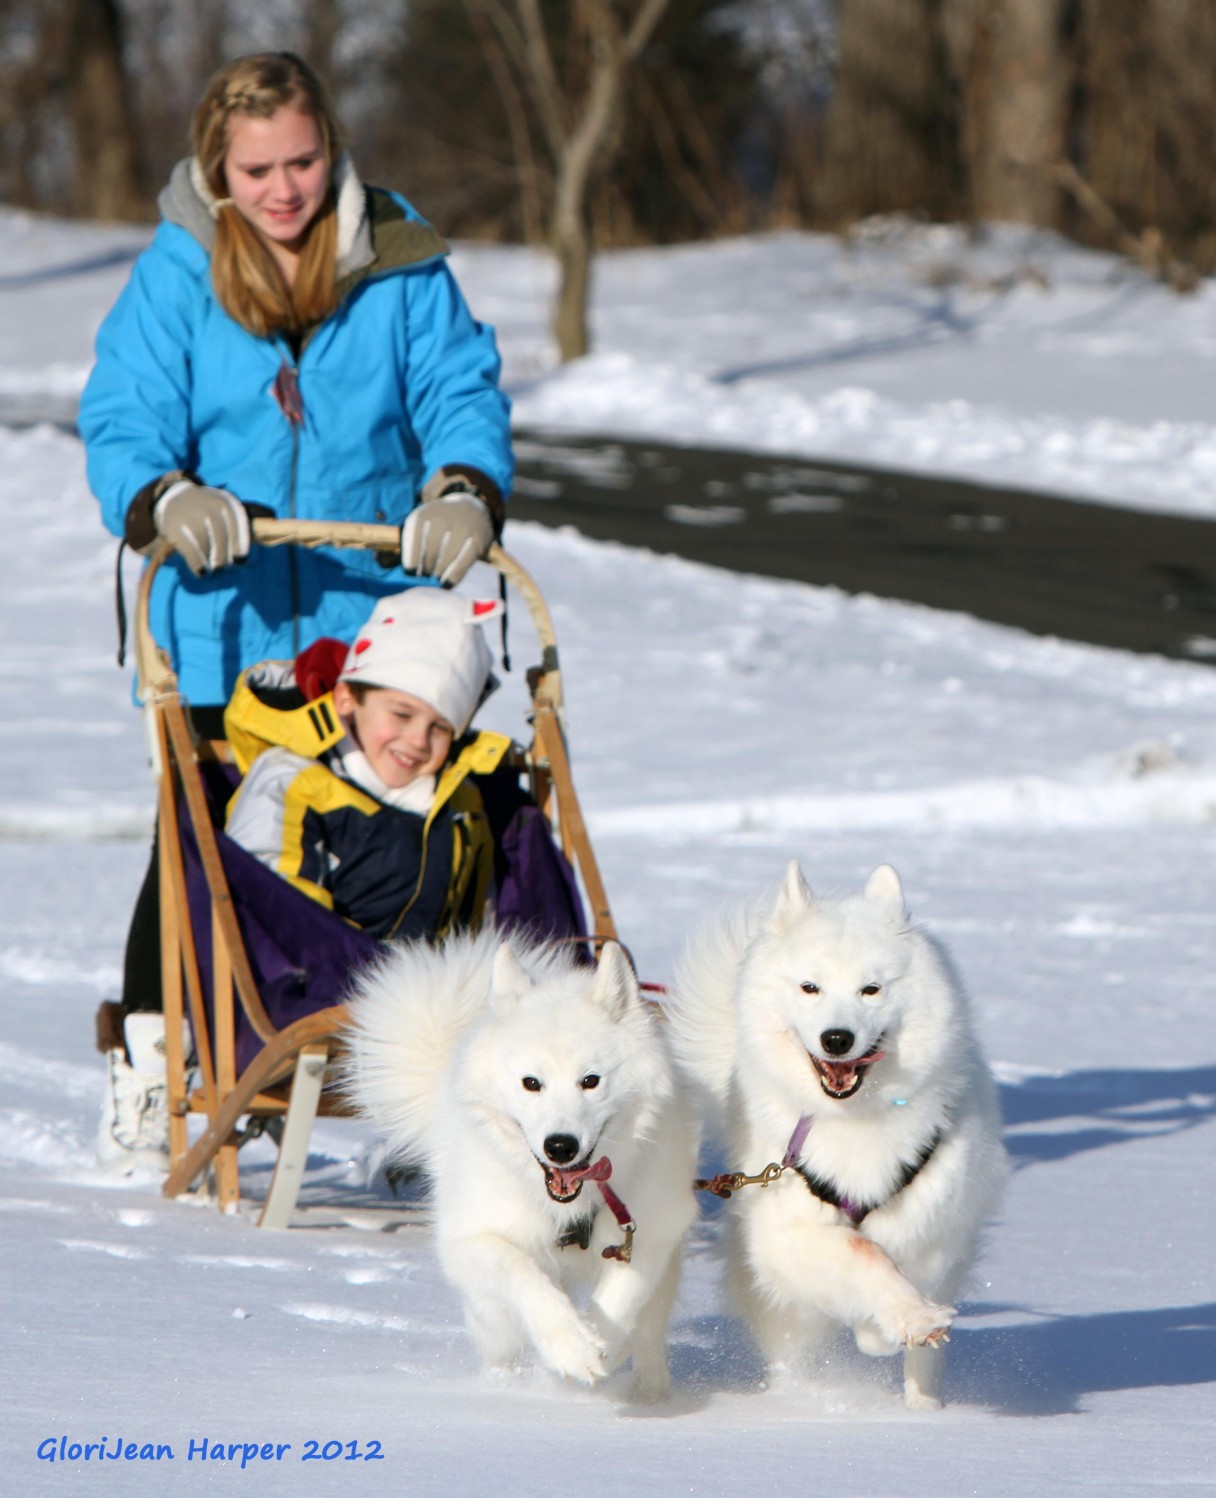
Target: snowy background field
x,y
1051,808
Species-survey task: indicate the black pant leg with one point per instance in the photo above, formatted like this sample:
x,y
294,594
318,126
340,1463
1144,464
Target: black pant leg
x,y
141,988
141,972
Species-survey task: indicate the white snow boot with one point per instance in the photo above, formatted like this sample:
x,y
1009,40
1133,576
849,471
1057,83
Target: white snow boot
x,y
134,1129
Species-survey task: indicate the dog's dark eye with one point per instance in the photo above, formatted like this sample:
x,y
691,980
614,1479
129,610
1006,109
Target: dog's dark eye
x,y
809,987
589,1081
531,1084
870,990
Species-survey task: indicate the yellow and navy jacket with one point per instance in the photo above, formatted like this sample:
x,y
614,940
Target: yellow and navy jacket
x,y
394,873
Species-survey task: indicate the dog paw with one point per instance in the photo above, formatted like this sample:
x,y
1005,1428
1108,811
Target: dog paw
x,y
917,1399
873,1342
929,1325
575,1353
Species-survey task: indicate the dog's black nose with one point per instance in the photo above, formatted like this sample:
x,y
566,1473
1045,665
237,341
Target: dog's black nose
x,y
837,1042
561,1148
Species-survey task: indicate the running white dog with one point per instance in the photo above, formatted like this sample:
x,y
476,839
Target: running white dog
x,y
838,1047
541,1099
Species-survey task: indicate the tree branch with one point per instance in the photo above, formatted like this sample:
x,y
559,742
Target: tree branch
x,y
643,27
493,50
545,88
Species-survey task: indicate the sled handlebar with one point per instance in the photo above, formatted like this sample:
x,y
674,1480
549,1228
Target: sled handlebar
x,y
155,674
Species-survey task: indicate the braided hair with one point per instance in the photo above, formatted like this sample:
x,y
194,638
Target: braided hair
x,y
248,282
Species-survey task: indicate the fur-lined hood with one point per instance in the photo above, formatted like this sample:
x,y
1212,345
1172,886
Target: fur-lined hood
x,y
188,202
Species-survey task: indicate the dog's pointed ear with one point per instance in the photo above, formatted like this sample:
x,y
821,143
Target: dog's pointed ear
x,y
793,898
616,985
508,981
883,888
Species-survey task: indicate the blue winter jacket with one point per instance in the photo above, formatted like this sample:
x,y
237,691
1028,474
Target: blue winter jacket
x,y
397,383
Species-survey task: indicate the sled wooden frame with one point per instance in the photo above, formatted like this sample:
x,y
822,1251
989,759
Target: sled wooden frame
x,y
286,1079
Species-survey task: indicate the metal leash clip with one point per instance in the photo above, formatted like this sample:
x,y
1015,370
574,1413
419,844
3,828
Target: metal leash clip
x,y
622,1252
724,1185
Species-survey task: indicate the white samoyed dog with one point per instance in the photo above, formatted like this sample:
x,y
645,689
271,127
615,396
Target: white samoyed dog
x,y
834,1043
540,1097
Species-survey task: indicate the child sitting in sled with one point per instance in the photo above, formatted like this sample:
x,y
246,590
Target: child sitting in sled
x,y
363,787
357,776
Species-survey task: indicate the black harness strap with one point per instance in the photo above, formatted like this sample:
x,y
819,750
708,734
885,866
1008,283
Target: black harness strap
x,y
827,1192
120,605
578,1234
502,593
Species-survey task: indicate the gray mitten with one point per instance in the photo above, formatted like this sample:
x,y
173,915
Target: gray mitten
x,y
208,528
444,536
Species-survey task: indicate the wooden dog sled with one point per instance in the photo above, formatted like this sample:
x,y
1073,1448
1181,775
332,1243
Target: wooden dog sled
x,y
256,1061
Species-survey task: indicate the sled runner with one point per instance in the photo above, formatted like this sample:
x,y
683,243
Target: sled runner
x,y
257,969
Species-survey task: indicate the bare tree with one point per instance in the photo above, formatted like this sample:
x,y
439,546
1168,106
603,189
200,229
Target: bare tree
x,y
580,112
1018,67
107,163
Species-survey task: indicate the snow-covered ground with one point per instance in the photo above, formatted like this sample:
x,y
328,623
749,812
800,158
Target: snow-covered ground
x,y
1051,808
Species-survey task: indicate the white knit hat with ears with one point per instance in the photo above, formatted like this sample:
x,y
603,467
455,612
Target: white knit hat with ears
x,y
427,642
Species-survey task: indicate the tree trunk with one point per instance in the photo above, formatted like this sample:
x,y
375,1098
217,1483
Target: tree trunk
x,y
1016,110
581,156
107,179
572,249
892,129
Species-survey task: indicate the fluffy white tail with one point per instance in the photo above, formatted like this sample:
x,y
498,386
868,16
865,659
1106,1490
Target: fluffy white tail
x,y
701,1008
407,1015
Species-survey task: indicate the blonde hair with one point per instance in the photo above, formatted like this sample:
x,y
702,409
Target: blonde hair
x,y
248,283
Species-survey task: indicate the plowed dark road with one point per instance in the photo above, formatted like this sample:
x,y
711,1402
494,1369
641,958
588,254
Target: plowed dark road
x,y
1128,578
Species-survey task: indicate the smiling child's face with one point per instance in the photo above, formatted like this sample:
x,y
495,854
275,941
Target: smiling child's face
x,y
401,735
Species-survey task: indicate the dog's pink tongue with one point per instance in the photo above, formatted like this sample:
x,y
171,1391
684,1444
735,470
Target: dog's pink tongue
x,y
566,1180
